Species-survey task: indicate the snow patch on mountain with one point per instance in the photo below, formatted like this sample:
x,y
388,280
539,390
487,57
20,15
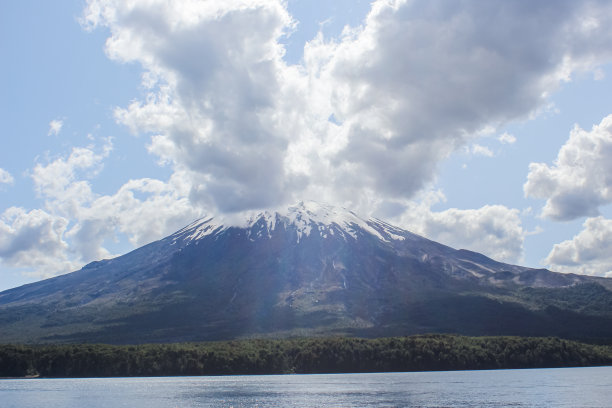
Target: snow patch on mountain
x,y
197,230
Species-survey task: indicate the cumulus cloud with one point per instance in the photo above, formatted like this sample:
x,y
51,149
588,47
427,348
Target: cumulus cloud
x,y
588,252
63,182
580,179
55,126
76,222
34,240
216,75
368,115
6,177
493,230
422,78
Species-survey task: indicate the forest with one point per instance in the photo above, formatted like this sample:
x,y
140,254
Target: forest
x,y
307,355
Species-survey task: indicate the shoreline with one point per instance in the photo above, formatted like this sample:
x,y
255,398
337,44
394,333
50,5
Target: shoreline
x,y
307,374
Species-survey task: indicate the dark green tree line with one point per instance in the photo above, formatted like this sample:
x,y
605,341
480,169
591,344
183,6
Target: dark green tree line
x,y
311,355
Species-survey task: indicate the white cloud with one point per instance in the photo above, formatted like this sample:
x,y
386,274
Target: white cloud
x,y
55,126
144,210
34,240
217,85
479,150
417,81
506,138
493,230
64,181
6,177
588,252
580,179
76,222
422,78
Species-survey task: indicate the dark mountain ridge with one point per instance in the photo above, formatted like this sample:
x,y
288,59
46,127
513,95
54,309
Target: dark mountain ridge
x,y
311,270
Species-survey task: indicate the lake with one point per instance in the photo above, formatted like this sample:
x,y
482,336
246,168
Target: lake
x,y
561,387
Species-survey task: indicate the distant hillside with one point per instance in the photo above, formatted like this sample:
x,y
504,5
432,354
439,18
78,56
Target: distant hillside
x,y
312,270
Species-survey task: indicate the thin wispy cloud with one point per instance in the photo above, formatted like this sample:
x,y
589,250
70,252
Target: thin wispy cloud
x,y
480,150
507,138
6,177
55,127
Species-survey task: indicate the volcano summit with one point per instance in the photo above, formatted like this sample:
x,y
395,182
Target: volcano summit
x,y
310,270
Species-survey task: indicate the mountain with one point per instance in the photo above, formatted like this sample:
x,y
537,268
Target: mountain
x,y
307,271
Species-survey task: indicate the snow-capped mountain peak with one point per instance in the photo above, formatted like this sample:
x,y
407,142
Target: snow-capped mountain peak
x,y
305,217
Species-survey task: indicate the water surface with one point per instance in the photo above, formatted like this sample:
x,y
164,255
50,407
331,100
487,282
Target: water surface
x,y
565,387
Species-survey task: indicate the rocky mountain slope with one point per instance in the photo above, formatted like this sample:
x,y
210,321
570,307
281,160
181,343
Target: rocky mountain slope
x,y
309,270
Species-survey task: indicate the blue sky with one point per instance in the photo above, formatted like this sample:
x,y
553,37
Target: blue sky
x,y
480,125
